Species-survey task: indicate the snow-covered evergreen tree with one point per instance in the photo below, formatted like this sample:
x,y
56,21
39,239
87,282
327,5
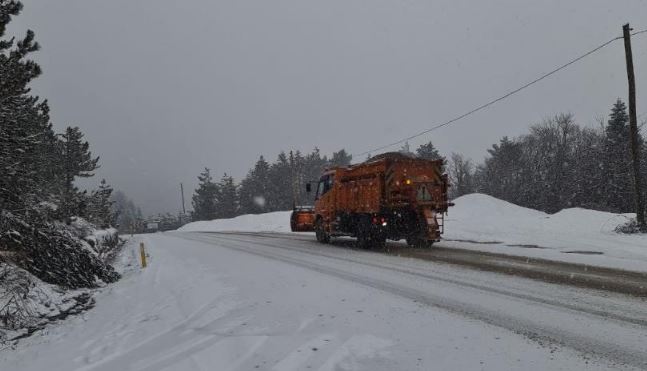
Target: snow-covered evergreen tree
x,y
205,197
33,177
253,189
77,162
99,209
501,173
341,158
429,152
279,195
617,160
227,202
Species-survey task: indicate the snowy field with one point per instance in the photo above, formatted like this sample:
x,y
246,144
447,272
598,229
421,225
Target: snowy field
x,y
481,222
209,302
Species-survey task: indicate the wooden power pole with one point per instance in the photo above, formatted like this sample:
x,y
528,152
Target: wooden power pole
x,y
182,192
633,128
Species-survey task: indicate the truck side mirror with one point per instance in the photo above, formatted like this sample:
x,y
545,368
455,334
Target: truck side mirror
x,y
308,187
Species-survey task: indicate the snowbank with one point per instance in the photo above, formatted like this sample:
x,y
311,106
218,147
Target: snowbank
x,y
482,222
28,304
485,223
278,221
483,217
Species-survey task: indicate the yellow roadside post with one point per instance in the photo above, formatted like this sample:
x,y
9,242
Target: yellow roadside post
x,y
142,252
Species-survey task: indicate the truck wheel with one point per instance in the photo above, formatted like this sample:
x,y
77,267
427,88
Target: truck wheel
x,y
368,238
379,241
419,242
320,233
363,234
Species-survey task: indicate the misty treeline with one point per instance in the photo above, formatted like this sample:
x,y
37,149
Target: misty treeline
x,y
275,186
40,229
558,164
267,186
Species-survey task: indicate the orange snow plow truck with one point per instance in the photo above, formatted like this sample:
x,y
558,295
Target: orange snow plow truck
x,y
391,195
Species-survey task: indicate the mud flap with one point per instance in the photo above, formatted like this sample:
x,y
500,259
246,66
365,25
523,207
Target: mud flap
x,y
433,227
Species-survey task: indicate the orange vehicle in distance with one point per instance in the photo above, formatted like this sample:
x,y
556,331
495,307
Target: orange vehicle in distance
x,y
390,196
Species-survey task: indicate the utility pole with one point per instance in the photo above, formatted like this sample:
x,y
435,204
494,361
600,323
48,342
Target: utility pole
x,y
182,192
633,129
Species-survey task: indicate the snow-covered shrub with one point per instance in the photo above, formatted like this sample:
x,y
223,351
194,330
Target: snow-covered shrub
x,y
27,304
629,227
15,284
104,242
53,253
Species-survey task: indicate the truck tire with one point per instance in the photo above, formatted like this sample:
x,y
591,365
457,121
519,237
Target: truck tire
x,y
379,241
419,242
320,232
368,238
363,231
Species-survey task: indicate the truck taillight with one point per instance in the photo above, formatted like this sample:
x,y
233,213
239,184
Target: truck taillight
x,y
381,221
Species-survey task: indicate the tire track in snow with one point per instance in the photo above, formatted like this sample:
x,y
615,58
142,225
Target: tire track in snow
x,y
631,330
640,320
172,339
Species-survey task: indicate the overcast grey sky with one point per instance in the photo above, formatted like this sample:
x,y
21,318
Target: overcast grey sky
x,y
163,88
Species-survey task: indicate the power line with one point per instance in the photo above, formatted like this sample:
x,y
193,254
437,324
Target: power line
x,y
494,101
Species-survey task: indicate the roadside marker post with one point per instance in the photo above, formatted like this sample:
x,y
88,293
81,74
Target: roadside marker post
x,y
142,253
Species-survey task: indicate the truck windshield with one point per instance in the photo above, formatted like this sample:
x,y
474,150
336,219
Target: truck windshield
x,y
325,184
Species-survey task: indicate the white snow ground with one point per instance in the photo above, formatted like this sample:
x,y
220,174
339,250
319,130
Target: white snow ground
x,y
482,222
207,303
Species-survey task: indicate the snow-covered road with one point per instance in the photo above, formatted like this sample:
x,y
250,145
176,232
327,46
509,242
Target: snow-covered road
x,y
239,302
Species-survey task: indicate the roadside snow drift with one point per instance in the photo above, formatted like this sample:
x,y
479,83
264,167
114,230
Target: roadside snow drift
x,y
478,221
278,221
482,222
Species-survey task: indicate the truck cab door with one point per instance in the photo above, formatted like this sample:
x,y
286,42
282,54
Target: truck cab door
x,y
324,196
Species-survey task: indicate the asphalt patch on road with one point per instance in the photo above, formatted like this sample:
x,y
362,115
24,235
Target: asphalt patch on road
x,y
526,246
584,252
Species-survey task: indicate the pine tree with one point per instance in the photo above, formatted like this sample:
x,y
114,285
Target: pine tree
x,y
25,132
279,191
16,71
297,177
253,189
429,152
100,206
617,160
77,162
501,175
32,174
341,158
227,203
205,198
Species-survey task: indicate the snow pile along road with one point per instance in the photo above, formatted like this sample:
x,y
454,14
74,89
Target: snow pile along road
x,y
482,222
278,221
